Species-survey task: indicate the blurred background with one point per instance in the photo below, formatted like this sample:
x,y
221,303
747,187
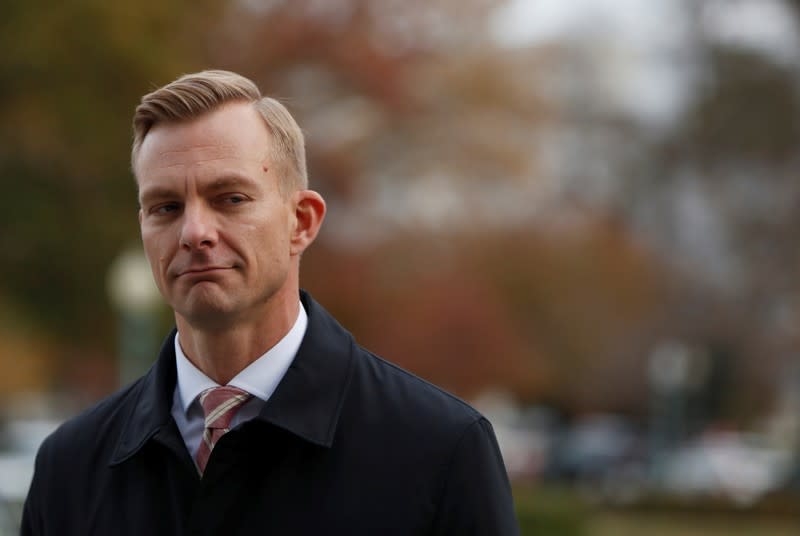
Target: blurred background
x,y
579,215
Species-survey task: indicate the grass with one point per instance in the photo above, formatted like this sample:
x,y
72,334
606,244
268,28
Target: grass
x,y
686,524
561,512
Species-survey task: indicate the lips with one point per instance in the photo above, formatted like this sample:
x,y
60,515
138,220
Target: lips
x,y
204,269
201,270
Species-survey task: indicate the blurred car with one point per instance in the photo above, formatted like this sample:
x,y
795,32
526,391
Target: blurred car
x,y
602,455
740,467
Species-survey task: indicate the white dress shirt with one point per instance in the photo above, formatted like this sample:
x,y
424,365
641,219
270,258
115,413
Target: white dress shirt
x,y
260,378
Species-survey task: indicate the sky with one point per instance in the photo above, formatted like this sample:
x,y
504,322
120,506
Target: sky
x,y
651,64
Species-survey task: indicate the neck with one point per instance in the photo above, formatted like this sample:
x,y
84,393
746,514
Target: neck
x,y
222,353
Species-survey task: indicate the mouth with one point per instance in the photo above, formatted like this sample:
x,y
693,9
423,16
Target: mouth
x,y
203,270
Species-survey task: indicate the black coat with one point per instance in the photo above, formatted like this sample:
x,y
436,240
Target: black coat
x,y
348,444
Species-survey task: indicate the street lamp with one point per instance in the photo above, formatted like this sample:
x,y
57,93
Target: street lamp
x,y
136,298
669,374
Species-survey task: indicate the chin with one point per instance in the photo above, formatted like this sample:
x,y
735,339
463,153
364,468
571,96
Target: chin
x,y
205,312
209,318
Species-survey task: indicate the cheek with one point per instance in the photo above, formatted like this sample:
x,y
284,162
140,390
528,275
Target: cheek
x,y
149,250
156,246
270,250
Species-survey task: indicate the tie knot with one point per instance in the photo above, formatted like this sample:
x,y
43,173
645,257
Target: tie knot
x,y
220,404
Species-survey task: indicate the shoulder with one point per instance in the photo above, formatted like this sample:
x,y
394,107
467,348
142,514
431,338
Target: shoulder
x,y
67,462
95,428
383,386
436,441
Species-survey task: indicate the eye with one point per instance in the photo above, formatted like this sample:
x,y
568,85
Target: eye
x,y
234,199
165,208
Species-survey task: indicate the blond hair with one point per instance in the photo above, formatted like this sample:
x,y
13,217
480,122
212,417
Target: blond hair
x,y
193,95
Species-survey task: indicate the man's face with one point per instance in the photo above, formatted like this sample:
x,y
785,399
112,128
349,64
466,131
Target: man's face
x,y
215,226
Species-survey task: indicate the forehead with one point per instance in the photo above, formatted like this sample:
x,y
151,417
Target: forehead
x,y
232,133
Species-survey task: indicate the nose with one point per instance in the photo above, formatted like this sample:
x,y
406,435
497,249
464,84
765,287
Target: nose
x,y
198,229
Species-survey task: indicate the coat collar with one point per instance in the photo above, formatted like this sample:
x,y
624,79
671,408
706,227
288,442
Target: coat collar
x,y
306,403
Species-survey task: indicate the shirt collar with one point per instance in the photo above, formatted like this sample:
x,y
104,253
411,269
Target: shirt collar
x,y
307,402
259,378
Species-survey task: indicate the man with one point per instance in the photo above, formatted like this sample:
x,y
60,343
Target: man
x,y
261,415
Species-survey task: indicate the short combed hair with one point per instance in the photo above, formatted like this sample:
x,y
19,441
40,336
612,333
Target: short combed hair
x,y
193,95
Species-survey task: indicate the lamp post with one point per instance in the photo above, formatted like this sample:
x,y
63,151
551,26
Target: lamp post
x,y
136,298
669,375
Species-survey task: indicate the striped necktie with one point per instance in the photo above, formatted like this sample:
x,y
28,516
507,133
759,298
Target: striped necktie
x,y
220,404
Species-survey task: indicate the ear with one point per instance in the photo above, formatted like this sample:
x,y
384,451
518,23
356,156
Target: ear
x,y
309,211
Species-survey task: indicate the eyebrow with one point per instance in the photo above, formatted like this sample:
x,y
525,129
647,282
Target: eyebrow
x,y
229,181
155,193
